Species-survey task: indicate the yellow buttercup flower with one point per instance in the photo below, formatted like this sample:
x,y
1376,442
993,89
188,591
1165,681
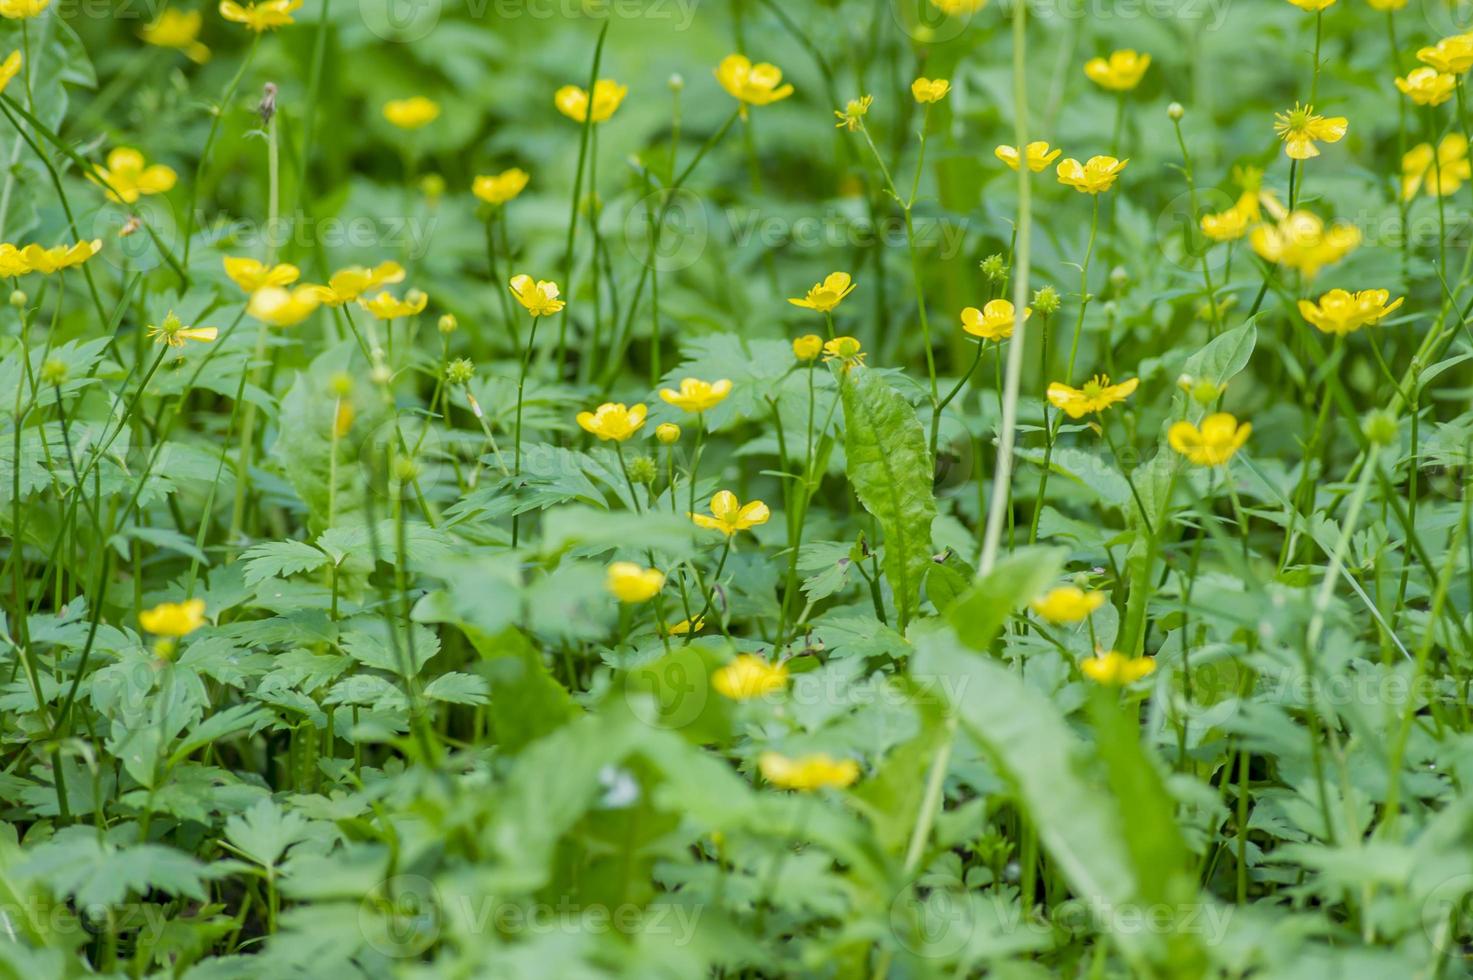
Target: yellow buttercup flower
x,y
282,307
684,627
253,274
1312,6
613,420
1096,395
174,333
828,294
1067,604
809,772
127,177
385,306
630,583
696,395
572,101
808,347
958,8
845,350
1232,224
12,263
927,90
1427,86
1453,55
415,112
1386,5
22,9
749,676
1442,176
1211,445
851,117
265,15
348,284
34,258
1114,669
668,433
1301,129
759,84
1340,312
1038,153
178,30
994,321
729,515
1301,241
1120,72
173,618
1092,177
538,297
10,68
502,187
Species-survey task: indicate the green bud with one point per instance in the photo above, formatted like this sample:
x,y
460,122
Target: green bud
x,y
994,268
642,469
1046,301
53,372
1381,427
459,371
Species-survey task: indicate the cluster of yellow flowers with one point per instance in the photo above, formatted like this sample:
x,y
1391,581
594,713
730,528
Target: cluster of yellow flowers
x,y
273,303
16,262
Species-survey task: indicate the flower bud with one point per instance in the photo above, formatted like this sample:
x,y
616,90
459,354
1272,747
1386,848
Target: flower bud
x,y
406,469
1119,277
1381,427
1046,301
642,469
994,268
807,347
1175,111
667,433
19,299
459,371
340,384
448,323
676,82
53,372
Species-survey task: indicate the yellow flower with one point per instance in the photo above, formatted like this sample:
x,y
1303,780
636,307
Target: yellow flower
x,y
1312,6
1232,224
174,333
1039,155
994,321
173,618
807,347
538,297
684,627
126,178
282,307
10,68
729,515
852,115
348,284
1444,175
1386,5
613,420
12,263
1427,86
696,395
759,84
415,112
1096,395
1453,55
502,187
1114,669
1120,72
1300,241
179,30
846,350
253,274
572,101
22,9
1340,312
749,676
929,89
958,8
630,583
1301,129
1214,443
809,772
34,258
266,15
826,295
668,433
1067,604
385,307
1095,175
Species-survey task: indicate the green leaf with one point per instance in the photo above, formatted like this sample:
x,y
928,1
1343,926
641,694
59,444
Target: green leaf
x,y
458,688
979,613
890,469
265,831
280,559
1218,361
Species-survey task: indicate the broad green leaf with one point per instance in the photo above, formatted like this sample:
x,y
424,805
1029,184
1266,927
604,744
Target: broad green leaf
x,y
979,612
890,469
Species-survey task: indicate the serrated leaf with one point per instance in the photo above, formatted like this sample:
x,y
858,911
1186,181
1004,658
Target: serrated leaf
x,y
280,558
